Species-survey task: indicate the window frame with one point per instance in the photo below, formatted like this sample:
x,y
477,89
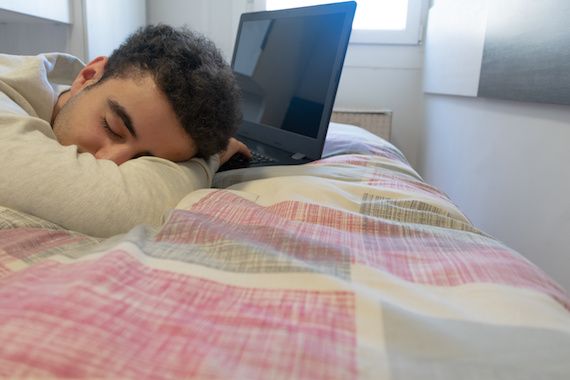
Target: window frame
x,y
412,35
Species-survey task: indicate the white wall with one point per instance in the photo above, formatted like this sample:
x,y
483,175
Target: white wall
x,y
54,10
379,77
375,77
30,38
109,22
34,26
504,163
218,20
97,26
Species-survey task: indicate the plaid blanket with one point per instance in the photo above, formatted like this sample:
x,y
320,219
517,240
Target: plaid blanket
x,y
349,267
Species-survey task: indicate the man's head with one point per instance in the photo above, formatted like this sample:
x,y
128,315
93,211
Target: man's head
x,y
166,92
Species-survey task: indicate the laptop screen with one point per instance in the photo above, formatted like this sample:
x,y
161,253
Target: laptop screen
x,y
284,68
288,64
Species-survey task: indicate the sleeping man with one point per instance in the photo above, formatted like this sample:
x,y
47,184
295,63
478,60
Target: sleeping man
x,y
103,147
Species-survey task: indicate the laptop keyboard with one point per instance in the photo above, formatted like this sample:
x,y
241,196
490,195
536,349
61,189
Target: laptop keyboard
x,y
260,158
238,161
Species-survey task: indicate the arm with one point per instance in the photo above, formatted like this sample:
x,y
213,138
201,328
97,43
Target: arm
x,y
234,146
95,197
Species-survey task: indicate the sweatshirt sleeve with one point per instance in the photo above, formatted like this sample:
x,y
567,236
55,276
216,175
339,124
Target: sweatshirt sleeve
x,y
96,197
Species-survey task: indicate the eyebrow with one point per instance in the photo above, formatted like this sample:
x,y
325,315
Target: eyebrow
x,y
121,112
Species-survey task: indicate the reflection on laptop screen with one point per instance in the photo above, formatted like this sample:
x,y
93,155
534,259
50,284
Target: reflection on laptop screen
x,y
284,68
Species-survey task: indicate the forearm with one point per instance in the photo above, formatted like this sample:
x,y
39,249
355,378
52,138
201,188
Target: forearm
x,y
95,197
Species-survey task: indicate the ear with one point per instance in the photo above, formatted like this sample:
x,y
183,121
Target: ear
x,y
90,74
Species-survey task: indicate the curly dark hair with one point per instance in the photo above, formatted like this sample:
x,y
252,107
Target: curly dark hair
x,y
193,75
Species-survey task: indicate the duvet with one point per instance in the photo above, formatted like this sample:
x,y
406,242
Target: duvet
x,y
349,267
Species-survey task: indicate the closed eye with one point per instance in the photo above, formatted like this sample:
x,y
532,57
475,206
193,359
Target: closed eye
x,y
105,125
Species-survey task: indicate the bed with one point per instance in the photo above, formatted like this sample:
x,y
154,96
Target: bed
x,y
348,267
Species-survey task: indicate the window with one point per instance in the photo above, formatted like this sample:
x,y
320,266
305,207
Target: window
x,y
375,21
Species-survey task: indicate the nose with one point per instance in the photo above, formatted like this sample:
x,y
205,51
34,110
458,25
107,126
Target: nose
x,y
118,153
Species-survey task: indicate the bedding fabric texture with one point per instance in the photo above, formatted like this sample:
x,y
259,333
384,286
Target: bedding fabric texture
x,y
348,267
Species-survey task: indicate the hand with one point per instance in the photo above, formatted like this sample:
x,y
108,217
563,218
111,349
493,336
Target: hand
x,y
234,146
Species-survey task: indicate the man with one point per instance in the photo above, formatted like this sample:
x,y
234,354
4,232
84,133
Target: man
x,y
131,136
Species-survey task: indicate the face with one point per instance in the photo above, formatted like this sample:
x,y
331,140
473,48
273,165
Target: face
x,y
121,119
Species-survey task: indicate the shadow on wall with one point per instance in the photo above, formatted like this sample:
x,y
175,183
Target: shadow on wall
x,y
34,38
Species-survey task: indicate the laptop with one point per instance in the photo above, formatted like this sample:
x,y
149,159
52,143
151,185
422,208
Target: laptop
x,y
288,65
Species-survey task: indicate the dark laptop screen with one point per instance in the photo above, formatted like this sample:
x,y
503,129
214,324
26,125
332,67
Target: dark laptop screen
x,y
284,68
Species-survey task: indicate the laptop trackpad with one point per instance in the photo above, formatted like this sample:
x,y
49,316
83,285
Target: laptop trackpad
x,y
298,156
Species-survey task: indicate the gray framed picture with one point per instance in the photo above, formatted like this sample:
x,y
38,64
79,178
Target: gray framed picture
x,y
526,54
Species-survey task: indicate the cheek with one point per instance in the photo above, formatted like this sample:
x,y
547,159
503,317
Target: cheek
x,y
73,126
61,128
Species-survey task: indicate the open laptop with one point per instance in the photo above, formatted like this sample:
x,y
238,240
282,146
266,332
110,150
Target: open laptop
x,y
288,65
